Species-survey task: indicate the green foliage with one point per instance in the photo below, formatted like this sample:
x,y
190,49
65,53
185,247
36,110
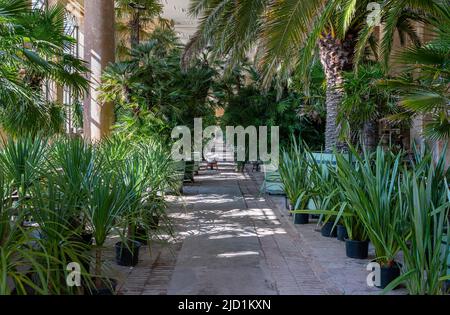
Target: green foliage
x,y
296,114
373,192
33,51
67,189
135,18
294,175
427,91
425,263
364,100
151,91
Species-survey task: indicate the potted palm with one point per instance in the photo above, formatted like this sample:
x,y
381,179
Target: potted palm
x,y
426,198
324,192
107,201
293,171
371,188
73,160
134,177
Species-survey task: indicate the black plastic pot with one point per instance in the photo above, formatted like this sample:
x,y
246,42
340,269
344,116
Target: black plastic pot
x,y
127,256
328,231
105,289
357,249
341,233
301,218
388,274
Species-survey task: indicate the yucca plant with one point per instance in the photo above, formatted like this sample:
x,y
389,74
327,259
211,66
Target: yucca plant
x,y
329,197
161,178
59,235
293,170
372,190
22,161
106,203
17,258
73,161
425,251
134,178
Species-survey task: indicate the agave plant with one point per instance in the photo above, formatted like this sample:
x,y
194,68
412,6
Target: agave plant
x,y
372,191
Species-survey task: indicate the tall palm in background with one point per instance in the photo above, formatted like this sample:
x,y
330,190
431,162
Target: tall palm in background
x,y
289,32
34,50
134,19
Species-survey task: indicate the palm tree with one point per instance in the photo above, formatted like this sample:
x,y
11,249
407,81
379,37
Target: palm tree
x,y
33,50
134,18
427,92
337,29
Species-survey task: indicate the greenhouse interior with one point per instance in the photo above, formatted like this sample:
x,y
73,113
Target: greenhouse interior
x,y
224,148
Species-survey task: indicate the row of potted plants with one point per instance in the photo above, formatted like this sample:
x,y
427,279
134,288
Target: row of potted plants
x,y
398,204
61,199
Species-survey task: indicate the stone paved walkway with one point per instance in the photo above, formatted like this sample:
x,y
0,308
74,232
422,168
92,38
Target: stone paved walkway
x,y
232,240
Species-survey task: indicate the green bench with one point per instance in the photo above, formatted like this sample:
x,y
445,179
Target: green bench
x,y
272,184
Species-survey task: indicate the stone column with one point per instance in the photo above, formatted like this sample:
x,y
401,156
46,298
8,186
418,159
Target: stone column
x,y
99,51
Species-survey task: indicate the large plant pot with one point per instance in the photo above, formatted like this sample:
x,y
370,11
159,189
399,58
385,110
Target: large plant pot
x,y
328,231
341,232
301,218
357,249
127,256
388,274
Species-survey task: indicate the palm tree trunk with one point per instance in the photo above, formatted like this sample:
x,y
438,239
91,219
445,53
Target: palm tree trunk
x,y
335,57
135,28
370,135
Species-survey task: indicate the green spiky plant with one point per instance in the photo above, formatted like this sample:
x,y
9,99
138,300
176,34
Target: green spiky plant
x,y
73,160
426,250
22,161
373,192
106,203
294,175
329,198
19,260
60,242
